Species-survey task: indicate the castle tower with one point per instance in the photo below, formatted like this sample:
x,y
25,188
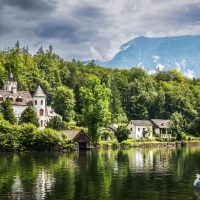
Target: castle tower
x,y
39,105
10,84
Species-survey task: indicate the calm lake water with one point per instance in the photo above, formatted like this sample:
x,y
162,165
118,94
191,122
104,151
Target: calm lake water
x,y
136,174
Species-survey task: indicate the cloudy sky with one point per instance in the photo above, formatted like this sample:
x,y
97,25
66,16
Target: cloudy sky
x,y
93,29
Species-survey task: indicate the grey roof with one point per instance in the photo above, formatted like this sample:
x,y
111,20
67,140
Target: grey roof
x,y
39,92
72,134
26,97
50,112
141,122
160,123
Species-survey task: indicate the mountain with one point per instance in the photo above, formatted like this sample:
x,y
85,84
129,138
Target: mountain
x,y
181,53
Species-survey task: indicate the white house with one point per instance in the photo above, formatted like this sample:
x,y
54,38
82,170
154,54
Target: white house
x,y
20,100
140,129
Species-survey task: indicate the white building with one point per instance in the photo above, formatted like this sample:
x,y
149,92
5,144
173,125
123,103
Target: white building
x,y
20,100
140,129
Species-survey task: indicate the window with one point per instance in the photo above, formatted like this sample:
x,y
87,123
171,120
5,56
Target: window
x,y
41,102
41,112
19,100
10,98
41,123
143,129
138,129
12,88
130,129
35,102
1,98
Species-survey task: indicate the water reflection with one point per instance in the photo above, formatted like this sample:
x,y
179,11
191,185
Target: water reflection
x,y
160,173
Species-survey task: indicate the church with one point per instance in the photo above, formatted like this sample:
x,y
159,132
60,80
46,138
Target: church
x,y
20,100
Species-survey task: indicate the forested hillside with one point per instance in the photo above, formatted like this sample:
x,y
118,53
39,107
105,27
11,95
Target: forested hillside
x,y
133,94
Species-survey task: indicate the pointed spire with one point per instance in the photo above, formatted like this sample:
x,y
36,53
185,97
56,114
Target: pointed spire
x,y
39,92
10,77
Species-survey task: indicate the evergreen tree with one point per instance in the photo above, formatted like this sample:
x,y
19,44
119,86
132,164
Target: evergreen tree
x,y
122,133
29,116
7,111
55,123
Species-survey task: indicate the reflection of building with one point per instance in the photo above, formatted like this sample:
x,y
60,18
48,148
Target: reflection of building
x,y
140,159
17,189
156,159
43,185
20,100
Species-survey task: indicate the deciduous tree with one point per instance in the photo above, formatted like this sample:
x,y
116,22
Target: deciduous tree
x,y
95,101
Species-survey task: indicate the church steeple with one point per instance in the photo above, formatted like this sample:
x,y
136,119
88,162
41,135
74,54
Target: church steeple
x,y
10,77
10,84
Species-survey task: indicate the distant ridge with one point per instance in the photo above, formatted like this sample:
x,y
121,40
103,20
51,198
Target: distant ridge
x,y
181,53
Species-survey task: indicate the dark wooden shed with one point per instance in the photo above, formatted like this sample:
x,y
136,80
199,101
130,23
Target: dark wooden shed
x,y
78,136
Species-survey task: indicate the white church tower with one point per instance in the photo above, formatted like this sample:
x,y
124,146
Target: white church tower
x,y
10,84
39,105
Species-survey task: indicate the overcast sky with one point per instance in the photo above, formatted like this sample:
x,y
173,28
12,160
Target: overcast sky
x,y
93,29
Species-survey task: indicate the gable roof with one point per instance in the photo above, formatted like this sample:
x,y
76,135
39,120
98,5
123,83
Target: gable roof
x,y
160,123
141,122
50,112
39,92
73,134
24,95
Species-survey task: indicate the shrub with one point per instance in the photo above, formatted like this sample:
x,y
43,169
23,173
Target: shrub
x,y
47,139
27,135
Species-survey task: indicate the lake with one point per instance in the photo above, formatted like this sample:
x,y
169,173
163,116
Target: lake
x,y
130,174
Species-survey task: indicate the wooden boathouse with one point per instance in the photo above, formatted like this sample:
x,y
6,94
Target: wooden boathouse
x,y
78,136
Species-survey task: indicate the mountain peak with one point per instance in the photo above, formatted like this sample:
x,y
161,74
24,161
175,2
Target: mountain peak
x,y
179,52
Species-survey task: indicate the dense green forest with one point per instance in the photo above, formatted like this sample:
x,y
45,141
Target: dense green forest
x,y
92,96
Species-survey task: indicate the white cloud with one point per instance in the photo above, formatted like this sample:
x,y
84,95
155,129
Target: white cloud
x,y
76,27
189,74
178,66
156,58
160,67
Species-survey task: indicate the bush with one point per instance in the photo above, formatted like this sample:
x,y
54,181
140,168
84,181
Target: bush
x,y
48,139
27,136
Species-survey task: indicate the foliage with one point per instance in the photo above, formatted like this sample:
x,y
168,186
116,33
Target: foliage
x,y
7,111
47,139
122,133
64,102
95,101
27,134
115,95
177,125
29,116
56,123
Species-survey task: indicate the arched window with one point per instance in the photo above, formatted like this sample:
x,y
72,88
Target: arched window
x,y
41,123
41,102
35,102
41,112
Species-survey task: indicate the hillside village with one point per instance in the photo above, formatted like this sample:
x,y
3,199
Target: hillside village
x,y
73,96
